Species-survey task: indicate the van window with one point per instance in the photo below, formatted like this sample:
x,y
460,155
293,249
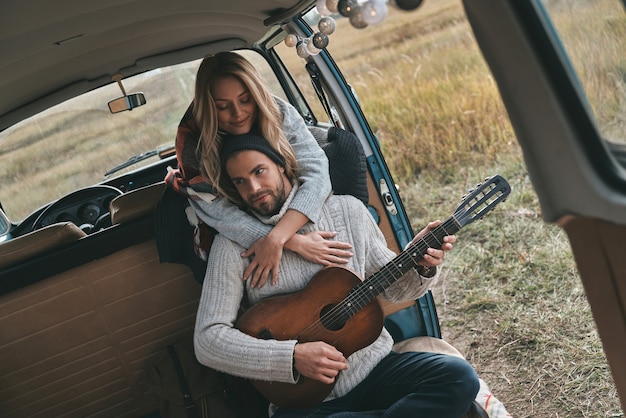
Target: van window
x,y
593,34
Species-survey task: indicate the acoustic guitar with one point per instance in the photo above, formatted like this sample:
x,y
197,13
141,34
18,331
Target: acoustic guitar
x,y
337,307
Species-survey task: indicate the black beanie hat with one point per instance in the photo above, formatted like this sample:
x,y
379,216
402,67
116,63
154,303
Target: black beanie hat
x,y
234,143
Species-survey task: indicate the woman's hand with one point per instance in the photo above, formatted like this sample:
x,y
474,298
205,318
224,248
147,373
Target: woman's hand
x,y
434,257
315,246
318,247
267,253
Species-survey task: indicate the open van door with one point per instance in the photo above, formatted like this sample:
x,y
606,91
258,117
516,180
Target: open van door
x,y
572,135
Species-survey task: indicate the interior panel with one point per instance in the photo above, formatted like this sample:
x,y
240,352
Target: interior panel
x,y
78,343
599,249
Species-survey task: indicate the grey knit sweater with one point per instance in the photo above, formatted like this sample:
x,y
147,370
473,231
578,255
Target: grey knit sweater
x,y
221,346
244,229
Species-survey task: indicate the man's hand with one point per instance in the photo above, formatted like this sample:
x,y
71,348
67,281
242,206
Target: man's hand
x,y
319,361
434,257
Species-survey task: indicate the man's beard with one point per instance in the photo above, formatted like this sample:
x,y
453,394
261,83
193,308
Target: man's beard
x,y
276,202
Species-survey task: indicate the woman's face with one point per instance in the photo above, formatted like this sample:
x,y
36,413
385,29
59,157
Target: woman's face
x,y
236,109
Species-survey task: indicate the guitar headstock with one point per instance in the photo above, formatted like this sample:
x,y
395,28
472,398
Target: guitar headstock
x,y
482,199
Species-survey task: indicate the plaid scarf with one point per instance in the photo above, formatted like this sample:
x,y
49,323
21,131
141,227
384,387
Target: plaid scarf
x,y
187,181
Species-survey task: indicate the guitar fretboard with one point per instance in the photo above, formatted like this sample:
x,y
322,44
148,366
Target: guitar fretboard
x,y
374,285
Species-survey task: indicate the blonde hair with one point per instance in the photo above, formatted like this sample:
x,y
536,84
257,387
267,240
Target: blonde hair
x,y
269,118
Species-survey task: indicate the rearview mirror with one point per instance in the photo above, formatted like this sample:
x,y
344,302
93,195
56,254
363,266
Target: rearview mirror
x,y
128,102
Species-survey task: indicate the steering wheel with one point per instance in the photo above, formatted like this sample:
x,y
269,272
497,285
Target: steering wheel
x,y
88,208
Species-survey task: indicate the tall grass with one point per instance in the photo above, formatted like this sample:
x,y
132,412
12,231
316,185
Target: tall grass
x,y
427,92
510,297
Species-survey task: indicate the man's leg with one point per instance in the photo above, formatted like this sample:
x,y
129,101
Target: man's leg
x,y
420,385
406,385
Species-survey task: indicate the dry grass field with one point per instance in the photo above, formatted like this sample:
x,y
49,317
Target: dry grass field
x,y
510,297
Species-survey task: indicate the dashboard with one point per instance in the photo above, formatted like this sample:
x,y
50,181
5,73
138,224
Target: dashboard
x,y
88,208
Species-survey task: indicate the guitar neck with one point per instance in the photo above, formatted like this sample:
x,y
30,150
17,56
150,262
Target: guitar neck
x,y
374,285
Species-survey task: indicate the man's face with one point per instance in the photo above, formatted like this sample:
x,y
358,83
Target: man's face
x,y
261,182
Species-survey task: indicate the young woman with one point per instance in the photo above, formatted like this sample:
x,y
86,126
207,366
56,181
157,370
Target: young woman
x,y
231,98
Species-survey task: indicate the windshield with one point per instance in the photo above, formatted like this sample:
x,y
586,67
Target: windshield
x,y
73,144
80,143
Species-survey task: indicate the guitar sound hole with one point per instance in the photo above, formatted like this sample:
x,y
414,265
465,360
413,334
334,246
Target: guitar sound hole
x,y
332,321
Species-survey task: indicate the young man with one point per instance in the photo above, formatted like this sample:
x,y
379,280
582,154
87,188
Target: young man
x,y
372,381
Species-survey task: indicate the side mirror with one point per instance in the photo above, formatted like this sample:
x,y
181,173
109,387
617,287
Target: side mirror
x,y
128,102
5,226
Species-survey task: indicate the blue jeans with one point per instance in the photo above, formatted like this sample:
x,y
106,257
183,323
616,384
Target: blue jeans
x,y
412,385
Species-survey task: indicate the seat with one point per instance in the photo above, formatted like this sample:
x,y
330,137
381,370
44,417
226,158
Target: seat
x,y
346,161
135,203
38,242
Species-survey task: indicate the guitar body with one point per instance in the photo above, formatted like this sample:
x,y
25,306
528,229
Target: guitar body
x,y
297,316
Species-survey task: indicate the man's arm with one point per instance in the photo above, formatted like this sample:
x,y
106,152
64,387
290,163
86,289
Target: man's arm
x,y
411,285
217,343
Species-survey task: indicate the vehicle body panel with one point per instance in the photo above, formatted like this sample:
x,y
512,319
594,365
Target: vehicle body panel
x,y
580,183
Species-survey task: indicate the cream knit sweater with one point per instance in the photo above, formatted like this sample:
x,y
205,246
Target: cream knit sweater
x,y
221,346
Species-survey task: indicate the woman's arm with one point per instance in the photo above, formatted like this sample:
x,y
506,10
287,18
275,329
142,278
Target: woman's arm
x,y
306,206
218,344
230,221
315,186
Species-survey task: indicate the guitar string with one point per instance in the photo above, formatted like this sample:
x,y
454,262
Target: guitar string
x,y
479,200
362,294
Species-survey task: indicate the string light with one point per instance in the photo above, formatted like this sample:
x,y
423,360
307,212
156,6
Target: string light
x,y
332,5
374,11
327,25
360,13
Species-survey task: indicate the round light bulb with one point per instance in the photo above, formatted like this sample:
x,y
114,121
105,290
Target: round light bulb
x,y
321,8
291,40
319,40
408,4
356,18
346,7
327,25
374,11
332,5
302,50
